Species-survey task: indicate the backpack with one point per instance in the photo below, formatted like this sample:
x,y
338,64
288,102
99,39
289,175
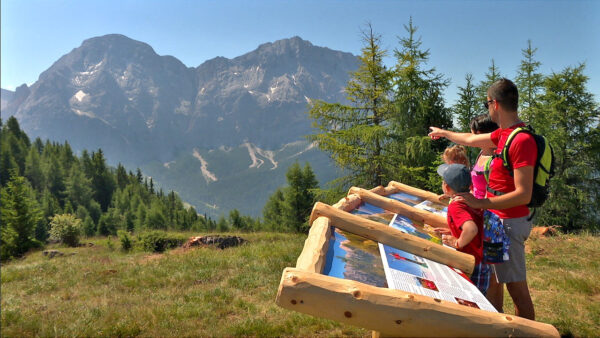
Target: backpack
x,y
495,240
543,170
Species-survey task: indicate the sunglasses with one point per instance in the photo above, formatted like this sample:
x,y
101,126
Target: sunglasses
x,y
487,103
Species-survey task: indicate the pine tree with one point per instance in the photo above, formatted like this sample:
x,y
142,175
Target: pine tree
x,y
273,211
20,216
468,106
78,188
298,197
102,180
122,178
419,104
530,83
356,135
33,169
222,224
55,179
492,75
569,112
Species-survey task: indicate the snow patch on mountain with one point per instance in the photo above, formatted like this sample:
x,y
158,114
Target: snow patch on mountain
x,y
253,151
309,147
80,95
256,162
208,176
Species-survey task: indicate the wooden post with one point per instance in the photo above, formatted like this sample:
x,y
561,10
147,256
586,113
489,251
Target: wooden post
x,y
393,237
313,255
400,208
395,312
418,192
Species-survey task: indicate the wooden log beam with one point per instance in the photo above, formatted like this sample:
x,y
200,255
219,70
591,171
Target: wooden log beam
x,y
393,237
400,208
384,191
313,255
348,203
394,312
418,192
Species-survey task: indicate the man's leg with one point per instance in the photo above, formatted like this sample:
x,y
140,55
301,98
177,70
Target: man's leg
x,y
519,292
513,273
495,293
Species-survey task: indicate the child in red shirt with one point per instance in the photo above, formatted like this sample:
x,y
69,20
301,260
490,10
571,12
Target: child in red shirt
x,y
465,223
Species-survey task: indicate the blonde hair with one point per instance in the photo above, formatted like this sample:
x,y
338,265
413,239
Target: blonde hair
x,y
456,154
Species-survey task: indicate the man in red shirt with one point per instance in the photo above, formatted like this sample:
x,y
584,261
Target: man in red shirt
x,y
509,192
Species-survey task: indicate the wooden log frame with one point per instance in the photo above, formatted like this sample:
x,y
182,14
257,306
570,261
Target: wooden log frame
x,y
393,237
400,208
417,192
394,312
313,255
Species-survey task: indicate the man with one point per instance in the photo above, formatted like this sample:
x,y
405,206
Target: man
x,y
508,193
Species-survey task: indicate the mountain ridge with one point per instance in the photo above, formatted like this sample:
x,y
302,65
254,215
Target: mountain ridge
x,y
141,108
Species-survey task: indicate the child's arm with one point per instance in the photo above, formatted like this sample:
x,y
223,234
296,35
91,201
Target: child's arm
x,y
469,231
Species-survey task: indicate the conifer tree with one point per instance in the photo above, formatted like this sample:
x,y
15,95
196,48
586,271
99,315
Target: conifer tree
x,y
570,114
492,75
55,179
419,104
530,82
33,169
273,211
356,135
20,215
468,105
78,188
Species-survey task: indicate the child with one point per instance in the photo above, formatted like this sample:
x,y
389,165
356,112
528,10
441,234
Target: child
x,y
465,223
481,124
456,154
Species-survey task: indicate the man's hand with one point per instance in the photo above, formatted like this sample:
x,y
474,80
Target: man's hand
x,y
443,197
470,200
436,133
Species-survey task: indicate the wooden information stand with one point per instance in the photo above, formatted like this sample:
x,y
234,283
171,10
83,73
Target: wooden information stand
x,y
388,312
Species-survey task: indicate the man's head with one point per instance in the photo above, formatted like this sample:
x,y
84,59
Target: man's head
x,y
456,177
503,94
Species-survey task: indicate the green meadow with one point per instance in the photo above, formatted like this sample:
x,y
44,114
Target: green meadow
x,y
100,290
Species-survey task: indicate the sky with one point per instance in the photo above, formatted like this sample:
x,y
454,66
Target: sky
x,y
461,36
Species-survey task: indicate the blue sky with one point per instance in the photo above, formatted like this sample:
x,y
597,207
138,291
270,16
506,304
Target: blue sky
x,y
462,36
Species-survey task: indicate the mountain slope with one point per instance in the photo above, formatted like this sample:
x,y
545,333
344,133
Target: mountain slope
x,y
145,110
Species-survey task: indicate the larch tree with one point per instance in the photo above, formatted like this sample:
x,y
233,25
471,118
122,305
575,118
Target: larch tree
x,y
356,135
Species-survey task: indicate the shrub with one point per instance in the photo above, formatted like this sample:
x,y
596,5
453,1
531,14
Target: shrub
x,y
159,241
125,240
65,228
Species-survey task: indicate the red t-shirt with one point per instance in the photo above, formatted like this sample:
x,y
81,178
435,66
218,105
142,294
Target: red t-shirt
x,y
522,153
458,214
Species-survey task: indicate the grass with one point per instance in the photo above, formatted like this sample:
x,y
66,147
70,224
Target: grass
x,y
231,292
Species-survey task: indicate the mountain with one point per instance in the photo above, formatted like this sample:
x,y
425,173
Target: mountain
x,y
146,110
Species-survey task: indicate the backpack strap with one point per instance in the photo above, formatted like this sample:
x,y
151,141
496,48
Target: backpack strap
x,y
511,137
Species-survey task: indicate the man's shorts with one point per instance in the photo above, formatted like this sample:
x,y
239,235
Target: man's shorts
x,y
518,230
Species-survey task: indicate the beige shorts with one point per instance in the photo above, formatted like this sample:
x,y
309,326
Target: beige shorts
x,y
518,230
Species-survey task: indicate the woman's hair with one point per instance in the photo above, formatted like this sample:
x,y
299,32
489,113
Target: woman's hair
x,y
483,124
456,154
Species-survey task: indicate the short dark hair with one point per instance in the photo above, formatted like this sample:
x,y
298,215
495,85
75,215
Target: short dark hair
x,y
483,124
506,93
